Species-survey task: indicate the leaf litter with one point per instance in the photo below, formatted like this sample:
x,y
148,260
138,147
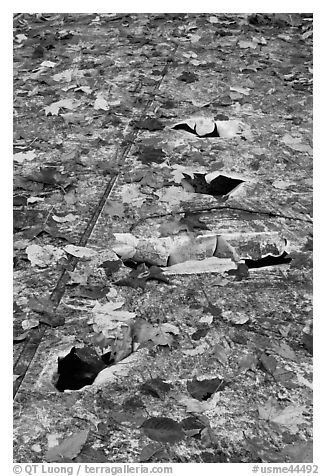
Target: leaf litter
x,y
159,331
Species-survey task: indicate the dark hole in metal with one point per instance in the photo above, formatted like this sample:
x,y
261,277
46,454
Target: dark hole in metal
x,y
78,369
186,128
268,260
219,186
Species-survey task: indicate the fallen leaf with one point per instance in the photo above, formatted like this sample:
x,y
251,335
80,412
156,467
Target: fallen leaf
x,y
139,277
131,193
295,144
299,452
283,184
194,406
70,197
117,371
68,448
148,154
149,451
208,319
48,64
189,247
163,429
125,245
204,389
284,350
64,219
80,252
21,337
220,354
64,76
249,362
113,208
22,157
55,107
290,416
200,349
167,327
156,387
101,103
50,176
43,256
29,324
107,317
268,362
35,199
110,267
161,336
173,195
78,277
247,44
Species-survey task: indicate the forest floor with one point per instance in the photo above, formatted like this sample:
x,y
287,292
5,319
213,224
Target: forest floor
x,y
162,238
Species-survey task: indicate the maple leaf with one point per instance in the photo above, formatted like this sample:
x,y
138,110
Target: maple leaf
x,y
107,317
55,107
153,180
110,267
139,276
131,193
148,154
173,195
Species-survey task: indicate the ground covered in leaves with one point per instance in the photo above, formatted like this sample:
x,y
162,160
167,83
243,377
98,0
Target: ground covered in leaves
x,y
163,238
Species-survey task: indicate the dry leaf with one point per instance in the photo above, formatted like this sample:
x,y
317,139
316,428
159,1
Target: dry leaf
x,y
43,256
80,252
68,218
55,107
68,448
290,416
101,103
107,317
30,323
21,157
